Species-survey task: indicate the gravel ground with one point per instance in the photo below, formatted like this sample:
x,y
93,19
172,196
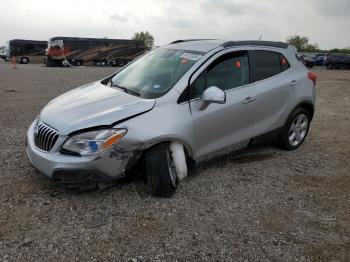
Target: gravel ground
x,y
262,205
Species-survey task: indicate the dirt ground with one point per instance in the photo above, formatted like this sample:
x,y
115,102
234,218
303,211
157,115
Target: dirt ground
x,y
265,204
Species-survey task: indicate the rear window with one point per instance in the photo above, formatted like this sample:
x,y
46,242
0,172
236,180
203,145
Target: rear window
x,y
268,64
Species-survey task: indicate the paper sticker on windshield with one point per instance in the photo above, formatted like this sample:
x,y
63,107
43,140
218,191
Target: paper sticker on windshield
x,y
189,56
184,61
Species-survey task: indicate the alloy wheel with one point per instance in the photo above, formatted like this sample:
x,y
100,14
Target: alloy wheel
x,y
298,129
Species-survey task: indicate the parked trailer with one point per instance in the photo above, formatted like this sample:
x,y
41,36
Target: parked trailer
x,y
27,51
92,51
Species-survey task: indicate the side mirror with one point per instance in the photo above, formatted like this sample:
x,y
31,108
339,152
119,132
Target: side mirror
x,y
214,94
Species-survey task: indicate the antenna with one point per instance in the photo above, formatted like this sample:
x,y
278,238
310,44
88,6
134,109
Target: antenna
x,y
260,37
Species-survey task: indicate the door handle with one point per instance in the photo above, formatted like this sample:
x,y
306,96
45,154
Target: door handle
x,y
248,100
294,83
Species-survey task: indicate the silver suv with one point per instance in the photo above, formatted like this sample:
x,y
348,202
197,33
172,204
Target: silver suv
x,y
176,106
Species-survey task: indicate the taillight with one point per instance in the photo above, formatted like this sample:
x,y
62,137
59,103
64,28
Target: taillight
x,y
312,77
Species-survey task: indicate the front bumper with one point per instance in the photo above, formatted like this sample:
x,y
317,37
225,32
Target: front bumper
x,y
66,169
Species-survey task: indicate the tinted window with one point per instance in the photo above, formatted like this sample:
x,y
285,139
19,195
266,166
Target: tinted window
x,y
226,72
267,64
199,85
284,63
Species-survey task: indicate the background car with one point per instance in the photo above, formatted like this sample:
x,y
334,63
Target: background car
x,y
4,55
337,61
320,59
307,61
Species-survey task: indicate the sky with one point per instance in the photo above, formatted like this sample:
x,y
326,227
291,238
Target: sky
x,y
326,22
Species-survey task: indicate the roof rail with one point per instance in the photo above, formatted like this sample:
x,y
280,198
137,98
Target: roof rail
x,y
187,40
255,42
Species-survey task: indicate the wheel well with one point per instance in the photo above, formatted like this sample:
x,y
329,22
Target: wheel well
x,y
140,159
309,107
187,148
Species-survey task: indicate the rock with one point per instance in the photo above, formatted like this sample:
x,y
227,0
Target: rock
x,y
95,221
54,194
27,242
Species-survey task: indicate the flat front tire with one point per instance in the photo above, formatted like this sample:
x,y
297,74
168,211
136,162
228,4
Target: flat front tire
x,y
160,170
296,129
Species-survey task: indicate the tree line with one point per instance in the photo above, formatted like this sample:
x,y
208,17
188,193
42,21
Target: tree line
x,y
302,44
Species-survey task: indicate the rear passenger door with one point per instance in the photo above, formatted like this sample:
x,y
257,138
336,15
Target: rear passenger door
x,y
272,90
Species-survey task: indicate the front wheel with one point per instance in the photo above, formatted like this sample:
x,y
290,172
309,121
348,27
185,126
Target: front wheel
x,y
296,129
160,170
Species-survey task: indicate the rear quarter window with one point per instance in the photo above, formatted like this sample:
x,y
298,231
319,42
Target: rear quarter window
x,y
268,64
284,63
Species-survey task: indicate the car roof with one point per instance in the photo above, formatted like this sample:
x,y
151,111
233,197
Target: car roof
x,y
205,45
196,45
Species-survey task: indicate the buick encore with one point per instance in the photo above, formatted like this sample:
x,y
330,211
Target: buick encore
x,y
176,106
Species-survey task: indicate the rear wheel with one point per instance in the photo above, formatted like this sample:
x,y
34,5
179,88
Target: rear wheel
x,y
120,63
329,66
160,170
337,66
24,60
296,129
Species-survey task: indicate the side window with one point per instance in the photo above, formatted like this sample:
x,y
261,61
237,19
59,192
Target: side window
x,y
267,64
199,85
226,72
284,63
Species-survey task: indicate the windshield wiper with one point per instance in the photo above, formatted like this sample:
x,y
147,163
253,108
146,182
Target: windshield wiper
x,y
127,90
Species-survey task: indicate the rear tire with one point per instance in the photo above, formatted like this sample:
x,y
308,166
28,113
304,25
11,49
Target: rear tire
x,y
25,60
296,129
160,170
329,66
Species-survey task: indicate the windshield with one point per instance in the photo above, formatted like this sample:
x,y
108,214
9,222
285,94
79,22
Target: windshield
x,y
156,73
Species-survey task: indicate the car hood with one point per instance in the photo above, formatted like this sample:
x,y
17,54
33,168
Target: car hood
x,y
92,105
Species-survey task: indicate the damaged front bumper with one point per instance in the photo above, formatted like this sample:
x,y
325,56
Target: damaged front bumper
x,y
71,170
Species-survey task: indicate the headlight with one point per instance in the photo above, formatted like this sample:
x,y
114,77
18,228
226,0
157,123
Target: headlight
x,y
95,142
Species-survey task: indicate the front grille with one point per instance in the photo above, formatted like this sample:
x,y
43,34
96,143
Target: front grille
x,y
45,136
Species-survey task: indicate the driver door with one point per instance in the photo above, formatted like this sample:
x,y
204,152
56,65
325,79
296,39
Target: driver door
x,y
220,128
